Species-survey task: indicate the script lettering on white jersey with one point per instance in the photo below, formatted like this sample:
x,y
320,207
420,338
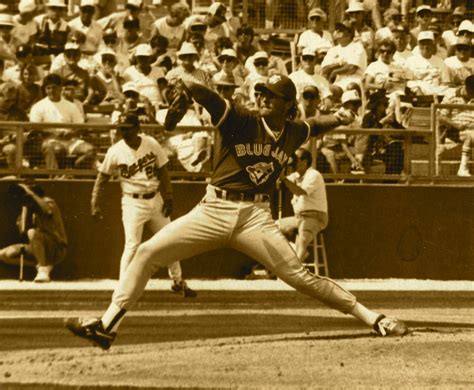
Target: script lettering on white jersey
x,y
258,149
144,163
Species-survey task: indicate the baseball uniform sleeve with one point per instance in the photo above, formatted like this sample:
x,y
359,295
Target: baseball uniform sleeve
x,y
161,158
109,165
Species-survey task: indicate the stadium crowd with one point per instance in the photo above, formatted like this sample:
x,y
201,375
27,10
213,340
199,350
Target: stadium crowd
x,y
56,67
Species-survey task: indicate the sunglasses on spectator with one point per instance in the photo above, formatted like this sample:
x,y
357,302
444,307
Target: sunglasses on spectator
x,y
309,96
260,63
308,58
72,53
87,10
425,15
223,59
198,28
316,18
463,48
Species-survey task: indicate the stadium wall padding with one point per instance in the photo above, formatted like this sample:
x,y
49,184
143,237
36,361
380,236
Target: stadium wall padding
x,y
375,231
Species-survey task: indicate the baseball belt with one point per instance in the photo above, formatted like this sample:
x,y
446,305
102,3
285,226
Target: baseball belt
x,y
148,195
237,196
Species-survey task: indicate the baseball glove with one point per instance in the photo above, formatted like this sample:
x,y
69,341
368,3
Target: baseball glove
x,y
179,98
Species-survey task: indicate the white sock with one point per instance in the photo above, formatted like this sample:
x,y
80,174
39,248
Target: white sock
x,y
112,317
367,316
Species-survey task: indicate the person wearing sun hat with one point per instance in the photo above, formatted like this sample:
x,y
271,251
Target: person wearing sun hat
x,y
229,62
145,76
91,28
25,27
427,74
53,29
362,33
460,65
310,37
186,69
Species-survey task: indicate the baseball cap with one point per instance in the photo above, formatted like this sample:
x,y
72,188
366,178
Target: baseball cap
x,y
25,6
187,48
227,53
88,3
459,11
128,120
391,12
260,55
425,36
423,7
463,41
350,96
216,7
317,12
135,3
355,6
107,51
267,37
56,3
6,20
144,49
279,85
400,28
72,46
466,25
308,51
130,87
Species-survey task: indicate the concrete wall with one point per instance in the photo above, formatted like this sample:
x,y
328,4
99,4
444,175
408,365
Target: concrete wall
x,y
375,231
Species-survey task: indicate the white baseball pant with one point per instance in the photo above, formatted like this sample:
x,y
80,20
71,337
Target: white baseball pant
x,y
214,223
136,213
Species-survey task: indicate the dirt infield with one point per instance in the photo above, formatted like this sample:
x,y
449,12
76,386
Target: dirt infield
x,y
237,339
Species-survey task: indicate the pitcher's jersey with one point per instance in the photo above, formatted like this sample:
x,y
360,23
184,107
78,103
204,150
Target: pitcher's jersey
x,y
136,169
249,156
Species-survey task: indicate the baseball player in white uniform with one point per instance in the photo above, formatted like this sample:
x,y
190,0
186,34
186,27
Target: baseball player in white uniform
x,y
140,163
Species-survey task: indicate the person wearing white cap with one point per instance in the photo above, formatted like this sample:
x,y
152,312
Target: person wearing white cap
x,y
265,42
427,74
134,9
460,65
25,26
8,42
310,37
217,25
229,62
53,29
454,20
145,76
466,29
362,33
261,64
347,61
306,75
171,26
423,16
91,28
186,69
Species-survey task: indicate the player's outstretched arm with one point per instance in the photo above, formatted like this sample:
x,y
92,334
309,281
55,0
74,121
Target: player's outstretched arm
x,y
321,124
99,185
207,98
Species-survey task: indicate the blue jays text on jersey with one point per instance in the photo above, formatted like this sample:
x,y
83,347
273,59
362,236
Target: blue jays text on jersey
x,y
128,171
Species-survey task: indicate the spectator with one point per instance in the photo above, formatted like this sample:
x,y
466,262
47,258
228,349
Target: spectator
x,y
29,91
309,102
461,65
259,76
41,224
25,27
275,63
460,122
53,30
90,28
384,73
195,24
385,148
229,63
400,35
136,103
145,76
346,62
106,83
72,71
454,20
8,42
126,46
55,109
134,11
187,56
216,25
161,57
362,32
206,61
171,26
392,19
427,73
225,85
244,46
309,203
24,55
423,17
466,29
69,92
306,75
10,110
316,32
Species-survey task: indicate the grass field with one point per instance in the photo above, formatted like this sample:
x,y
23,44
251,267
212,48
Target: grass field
x,y
245,337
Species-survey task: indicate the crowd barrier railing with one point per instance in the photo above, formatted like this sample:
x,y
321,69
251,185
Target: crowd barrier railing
x,y
182,145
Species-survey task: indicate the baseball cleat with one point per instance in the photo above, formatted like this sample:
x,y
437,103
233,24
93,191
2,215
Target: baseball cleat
x,y
91,329
390,326
183,289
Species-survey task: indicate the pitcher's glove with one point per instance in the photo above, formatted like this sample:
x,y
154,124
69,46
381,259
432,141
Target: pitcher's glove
x,y
179,98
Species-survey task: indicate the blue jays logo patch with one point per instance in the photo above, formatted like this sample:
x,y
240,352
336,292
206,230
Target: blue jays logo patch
x,y
260,172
